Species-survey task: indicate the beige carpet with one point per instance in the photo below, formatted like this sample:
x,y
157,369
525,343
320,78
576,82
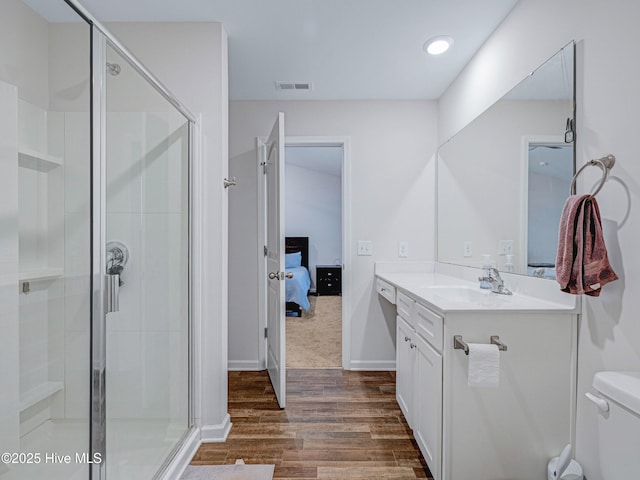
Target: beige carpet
x,y
315,339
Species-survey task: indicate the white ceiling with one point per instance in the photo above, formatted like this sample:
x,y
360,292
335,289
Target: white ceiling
x,y
325,159
348,49
552,160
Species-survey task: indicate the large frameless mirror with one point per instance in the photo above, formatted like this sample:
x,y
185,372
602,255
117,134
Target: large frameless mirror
x,y
503,179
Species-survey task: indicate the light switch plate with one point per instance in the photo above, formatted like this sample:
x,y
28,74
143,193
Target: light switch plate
x,y
505,247
467,250
365,247
403,249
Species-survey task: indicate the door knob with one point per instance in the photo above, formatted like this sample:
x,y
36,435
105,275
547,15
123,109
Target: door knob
x,y
279,275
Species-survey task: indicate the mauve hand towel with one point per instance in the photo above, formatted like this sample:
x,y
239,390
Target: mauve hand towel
x,y
582,264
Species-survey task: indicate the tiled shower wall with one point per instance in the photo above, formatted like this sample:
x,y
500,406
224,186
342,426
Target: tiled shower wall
x,y
146,210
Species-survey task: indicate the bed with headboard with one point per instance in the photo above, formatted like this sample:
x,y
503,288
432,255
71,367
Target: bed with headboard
x,y
297,262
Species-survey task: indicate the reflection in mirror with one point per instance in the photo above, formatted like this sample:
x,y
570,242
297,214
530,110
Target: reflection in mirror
x,y
550,171
503,179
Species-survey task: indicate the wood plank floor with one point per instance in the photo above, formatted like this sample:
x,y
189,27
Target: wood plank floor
x,y
337,425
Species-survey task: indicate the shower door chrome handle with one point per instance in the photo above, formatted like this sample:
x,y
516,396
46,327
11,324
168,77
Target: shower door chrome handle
x,y
112,293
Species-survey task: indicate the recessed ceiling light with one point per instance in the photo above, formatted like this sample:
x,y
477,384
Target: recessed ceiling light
x,y
438,45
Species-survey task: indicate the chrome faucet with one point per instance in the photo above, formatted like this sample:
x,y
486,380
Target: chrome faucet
x,y
495,280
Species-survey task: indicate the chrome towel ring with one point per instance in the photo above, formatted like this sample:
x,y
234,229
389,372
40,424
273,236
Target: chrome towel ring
x,y
606,163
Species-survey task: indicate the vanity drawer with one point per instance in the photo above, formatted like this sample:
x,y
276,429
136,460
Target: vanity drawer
x,y
428,325
387,290
405,306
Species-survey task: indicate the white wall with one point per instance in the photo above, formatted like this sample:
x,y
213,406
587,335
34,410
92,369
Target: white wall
x,y
25,61
607,99
313,208
392,162
191,60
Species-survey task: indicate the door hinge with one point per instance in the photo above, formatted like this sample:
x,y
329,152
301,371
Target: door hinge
x,y
265,166
265,332
265,250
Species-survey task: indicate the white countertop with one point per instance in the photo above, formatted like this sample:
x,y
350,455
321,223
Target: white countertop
x,y
445,293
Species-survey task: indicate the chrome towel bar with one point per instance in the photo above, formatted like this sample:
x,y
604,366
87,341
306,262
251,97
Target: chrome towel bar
x,y
459,344
606,163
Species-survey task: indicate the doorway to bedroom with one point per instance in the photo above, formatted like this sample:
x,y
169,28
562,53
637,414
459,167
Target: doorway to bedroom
x,y
313,240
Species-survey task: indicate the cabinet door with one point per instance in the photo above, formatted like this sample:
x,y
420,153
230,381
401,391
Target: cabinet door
x,y
428,406
405,367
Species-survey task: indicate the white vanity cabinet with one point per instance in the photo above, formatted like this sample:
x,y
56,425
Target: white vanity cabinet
x,y
507,432
405,368
427,428
419,375
405,355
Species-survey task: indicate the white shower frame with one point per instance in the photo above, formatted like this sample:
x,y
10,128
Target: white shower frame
x,y
181,454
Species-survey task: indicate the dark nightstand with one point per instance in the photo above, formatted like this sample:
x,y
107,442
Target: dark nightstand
x,y
328,279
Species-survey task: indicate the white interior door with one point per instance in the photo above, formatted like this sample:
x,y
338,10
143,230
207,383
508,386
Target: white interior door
x,y
274,169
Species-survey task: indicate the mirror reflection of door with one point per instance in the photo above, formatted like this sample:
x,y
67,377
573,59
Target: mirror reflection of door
x,y
550,174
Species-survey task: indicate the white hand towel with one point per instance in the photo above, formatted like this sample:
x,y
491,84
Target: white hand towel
x,y
484,365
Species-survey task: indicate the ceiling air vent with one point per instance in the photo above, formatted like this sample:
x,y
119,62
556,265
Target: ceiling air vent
x,y
294,86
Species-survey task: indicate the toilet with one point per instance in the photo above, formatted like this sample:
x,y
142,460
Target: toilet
x,y
618,423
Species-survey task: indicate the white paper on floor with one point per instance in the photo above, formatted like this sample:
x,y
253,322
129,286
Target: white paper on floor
x,y
228,472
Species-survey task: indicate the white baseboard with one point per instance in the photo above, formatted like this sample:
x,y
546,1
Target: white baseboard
x,y
245,365
183,457
368,365
216,433
206,434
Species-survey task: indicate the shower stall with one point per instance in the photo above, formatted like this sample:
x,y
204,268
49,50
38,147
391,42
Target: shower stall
x,y
95,321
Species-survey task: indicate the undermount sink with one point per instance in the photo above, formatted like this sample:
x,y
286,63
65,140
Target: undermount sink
x,y
462,293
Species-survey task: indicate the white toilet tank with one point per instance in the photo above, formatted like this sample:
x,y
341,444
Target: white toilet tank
x,y
619,428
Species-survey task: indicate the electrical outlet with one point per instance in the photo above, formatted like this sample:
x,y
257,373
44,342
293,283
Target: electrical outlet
x,y
365,247
505,247
403,249
466,249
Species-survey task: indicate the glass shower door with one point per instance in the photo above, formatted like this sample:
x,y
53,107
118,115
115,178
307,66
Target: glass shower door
x,y
45,244
147,260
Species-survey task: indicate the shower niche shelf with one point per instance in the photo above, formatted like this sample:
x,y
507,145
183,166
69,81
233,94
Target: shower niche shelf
x,y
39,393
42,233
42,162
41,274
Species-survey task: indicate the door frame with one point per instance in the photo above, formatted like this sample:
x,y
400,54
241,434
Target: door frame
x,y
308,141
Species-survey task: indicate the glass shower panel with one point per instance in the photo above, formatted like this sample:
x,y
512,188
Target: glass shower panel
x,y
45,249
147,228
